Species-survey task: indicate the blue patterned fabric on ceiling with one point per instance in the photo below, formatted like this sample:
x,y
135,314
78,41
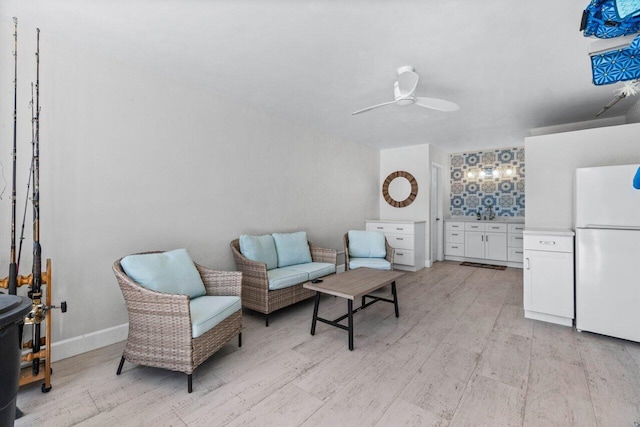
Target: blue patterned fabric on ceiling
x,y
483,179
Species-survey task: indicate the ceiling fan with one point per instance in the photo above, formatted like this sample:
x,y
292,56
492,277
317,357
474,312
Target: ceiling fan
x,y
404,90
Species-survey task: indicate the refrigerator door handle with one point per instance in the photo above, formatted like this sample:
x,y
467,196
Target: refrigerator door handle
x,y
612,227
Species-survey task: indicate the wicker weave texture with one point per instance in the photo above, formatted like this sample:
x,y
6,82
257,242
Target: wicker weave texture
x,y
391,252
255,282
160,324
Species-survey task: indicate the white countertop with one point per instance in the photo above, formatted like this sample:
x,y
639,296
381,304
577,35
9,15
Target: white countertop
x,y
504,219
548,231
395,221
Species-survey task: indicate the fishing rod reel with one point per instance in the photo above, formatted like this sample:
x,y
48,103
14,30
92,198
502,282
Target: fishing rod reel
x,y
39,310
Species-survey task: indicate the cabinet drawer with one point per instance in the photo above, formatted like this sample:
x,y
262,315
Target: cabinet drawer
x,y
474,226
516,228
451,226
390,228
549,243
404,257
455,249
499,228
400,241
515,254
455,237
515,240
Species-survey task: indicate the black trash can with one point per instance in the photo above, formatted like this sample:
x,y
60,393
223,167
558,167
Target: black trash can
x,y
12,311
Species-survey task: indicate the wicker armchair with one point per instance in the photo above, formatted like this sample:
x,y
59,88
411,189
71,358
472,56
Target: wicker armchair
x,y
160,329
255,282
390,251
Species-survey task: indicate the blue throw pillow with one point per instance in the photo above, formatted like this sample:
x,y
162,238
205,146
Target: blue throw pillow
x,y
170,272
367,244
292,248
259,249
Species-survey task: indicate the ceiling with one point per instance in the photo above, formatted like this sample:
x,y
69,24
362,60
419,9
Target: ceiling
x,y
510,65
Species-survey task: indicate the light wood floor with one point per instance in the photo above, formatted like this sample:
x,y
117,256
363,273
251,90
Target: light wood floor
x,y
461,353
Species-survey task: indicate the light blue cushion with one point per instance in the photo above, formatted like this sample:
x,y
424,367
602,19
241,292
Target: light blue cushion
x,y
367,244
170,272
280,278
292,248
315,269
208,311
260,249
377,263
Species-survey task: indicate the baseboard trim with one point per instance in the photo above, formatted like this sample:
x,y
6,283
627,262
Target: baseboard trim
x,y
84,343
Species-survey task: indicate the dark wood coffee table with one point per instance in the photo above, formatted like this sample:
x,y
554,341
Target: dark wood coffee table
x,y
358,283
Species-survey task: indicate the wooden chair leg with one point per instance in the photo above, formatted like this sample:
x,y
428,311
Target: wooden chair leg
x,y
266,320
120,366
240,339
190,382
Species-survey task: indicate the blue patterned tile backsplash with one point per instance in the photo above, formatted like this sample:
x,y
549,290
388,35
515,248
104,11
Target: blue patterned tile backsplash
x,y
488,179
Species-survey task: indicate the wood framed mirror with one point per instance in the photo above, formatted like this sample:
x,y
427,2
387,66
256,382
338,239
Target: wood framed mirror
x,y
400,189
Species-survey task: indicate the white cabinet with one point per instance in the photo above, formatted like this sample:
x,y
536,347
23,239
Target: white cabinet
x,y
485,241
548,276
454,239
515,242
497,242
407,238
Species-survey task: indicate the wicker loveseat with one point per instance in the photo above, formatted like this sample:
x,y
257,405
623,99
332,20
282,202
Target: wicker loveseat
x,y
174,330
259,278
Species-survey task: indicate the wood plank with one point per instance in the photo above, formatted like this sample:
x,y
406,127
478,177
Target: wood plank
x,y
403,413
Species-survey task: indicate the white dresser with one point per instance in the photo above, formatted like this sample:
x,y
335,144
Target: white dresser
x,y
407,238
495,242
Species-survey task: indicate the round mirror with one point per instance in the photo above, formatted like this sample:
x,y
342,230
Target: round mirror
x,y
400,189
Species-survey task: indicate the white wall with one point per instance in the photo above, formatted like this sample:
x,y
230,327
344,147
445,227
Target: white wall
x,y
133,162
415,160
552,160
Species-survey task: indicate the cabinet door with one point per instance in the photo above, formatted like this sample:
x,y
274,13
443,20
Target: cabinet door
x,y
496,246
548,282
474,244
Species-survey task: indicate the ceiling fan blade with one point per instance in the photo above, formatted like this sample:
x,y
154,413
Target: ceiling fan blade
x,y
407,83
437,104
372,107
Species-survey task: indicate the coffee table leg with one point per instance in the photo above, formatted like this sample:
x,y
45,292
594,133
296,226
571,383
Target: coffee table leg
x,y
315,314
395,298
350,306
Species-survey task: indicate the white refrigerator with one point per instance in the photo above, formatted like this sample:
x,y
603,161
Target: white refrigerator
x,y
607,223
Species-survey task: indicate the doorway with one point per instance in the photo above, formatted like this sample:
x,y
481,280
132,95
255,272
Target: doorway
x,y
437,215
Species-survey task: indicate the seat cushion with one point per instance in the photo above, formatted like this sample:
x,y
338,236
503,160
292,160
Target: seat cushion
x,y
367,244
280,278
170,272
260,249
315,269
292,248
377,263
207,311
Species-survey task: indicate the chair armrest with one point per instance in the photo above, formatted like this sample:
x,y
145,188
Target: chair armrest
x,y
221,283
319,254
391,253
254,273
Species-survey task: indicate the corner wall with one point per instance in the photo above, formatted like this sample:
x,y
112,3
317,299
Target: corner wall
x,y
552,160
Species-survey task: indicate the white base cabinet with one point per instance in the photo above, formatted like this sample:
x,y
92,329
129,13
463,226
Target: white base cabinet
x,y
480,241
407,238
549,276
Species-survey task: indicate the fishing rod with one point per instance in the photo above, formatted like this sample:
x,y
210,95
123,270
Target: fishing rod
x,y
26,199
36,286
13,267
